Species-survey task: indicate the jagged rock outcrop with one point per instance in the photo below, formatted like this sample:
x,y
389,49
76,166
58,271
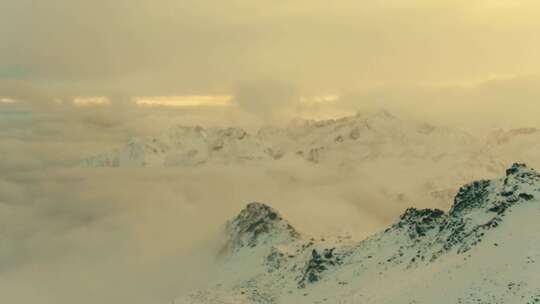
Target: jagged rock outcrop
x,y
478,208
420,222
473,195
317,264
258,224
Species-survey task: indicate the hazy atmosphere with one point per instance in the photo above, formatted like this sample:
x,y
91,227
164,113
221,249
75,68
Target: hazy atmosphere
x,y
79,78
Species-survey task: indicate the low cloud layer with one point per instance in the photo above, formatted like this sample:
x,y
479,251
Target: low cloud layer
x,y
128,236
269,101
144,236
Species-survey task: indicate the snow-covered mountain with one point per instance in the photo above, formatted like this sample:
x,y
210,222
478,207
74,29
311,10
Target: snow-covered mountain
x,y
379,147
355,139
485,249
185,146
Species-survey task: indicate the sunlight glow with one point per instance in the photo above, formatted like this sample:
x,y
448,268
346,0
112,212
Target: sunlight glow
x,y
7,100
184,101
95,100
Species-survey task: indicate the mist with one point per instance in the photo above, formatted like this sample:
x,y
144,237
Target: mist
x,y
177,48
144,235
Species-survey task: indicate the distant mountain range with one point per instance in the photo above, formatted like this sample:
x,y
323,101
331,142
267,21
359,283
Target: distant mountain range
x,y
359,138
433,161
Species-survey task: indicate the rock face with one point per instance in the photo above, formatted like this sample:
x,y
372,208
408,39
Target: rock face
x,y
258,224
420,222
317,264
478,208
485,249
469,197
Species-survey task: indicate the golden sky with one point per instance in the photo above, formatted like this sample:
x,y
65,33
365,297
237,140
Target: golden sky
x,y
436,58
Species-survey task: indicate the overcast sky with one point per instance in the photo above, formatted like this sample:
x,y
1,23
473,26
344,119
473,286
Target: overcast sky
x,y
166,47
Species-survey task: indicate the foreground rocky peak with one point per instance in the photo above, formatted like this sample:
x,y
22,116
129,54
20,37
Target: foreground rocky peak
x,y
479,207
258,224
485,249
519,184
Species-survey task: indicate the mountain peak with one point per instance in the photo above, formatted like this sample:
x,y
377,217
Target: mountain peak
x,y
257,224
478,207
470,196
489,235
520,169
477,194
420,221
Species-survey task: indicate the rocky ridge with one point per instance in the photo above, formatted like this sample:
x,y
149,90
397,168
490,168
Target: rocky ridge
x,y
256,225
429,245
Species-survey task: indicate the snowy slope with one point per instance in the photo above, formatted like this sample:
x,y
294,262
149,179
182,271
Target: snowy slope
x,y
485,249
185,146
359,138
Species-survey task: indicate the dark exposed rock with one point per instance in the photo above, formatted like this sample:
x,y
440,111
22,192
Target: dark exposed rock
x,y
516,167
317,264
470,196
254,222
526,196
500,207
420,222
521,173
477,209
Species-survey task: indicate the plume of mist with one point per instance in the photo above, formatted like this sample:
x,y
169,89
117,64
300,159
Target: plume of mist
x,y
270,101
